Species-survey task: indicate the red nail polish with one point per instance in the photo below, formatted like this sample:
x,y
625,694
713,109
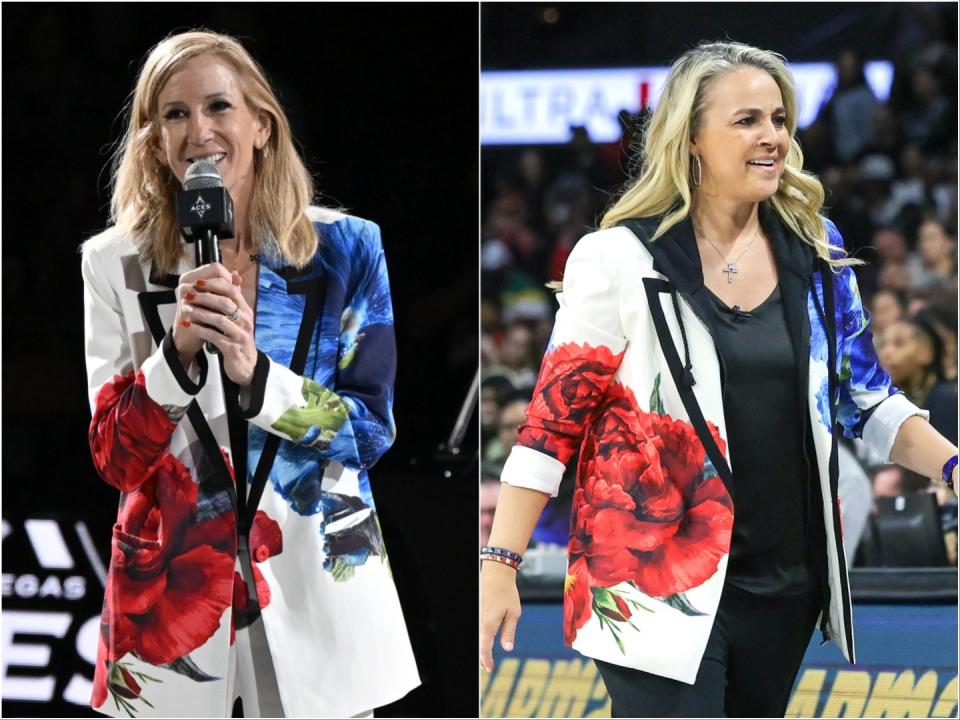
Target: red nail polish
x,y
200,283
185,323
190,296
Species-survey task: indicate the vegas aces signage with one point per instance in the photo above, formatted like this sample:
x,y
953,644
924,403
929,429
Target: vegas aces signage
x,y
53,576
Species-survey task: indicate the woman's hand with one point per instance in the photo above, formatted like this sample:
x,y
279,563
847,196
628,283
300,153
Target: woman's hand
x,y
208,304
185,332
499,605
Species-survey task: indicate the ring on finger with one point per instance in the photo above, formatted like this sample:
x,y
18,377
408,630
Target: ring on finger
x,y
235,315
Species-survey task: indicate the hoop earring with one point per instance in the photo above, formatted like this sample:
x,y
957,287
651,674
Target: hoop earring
x,y
697,171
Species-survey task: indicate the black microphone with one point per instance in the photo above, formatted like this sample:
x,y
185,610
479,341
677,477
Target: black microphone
x,y
204,211
204,214
739,314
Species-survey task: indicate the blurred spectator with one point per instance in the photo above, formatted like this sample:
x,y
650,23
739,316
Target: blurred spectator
x,y
513,412
936,263
929,119
941,315
852,101
885,138
887,307
891,245
516,357
911,351
493,393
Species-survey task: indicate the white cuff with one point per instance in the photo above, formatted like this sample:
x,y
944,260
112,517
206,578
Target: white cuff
x,y
167,382
881,428
532,469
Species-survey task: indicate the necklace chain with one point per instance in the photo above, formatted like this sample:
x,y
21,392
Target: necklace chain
x,y
254,259
731,267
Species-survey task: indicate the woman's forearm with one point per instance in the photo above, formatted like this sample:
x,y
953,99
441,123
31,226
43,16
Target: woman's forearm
x,y
920,448
518,510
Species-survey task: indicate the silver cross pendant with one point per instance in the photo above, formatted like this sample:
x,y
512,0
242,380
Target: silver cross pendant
x,y
730,270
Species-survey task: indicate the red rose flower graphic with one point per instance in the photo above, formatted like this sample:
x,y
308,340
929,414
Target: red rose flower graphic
x,y
576,599
171,576
644,512
266,540
572,381
126,453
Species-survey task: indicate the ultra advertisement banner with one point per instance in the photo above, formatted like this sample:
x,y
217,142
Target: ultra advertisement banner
x,y
532,107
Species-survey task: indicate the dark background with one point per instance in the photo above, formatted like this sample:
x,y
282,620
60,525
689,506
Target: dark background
x,y
602,34
383,101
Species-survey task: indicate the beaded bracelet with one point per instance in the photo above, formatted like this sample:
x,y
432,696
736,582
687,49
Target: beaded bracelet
x,y
503,552
501,559
948,467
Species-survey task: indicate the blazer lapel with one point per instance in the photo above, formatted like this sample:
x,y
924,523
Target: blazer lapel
x,y
310,284
675,256
212,469
151,300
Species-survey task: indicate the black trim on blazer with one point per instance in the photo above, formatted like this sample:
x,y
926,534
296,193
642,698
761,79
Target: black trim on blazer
x,y
172,356
675,255
212,449
237,428
653,288
156,277
829,301
311,288
258,386
149,303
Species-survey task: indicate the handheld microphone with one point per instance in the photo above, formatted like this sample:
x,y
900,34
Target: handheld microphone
x,y
204,214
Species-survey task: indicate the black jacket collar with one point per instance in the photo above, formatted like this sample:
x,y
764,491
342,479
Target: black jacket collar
x,y
675,253
675,256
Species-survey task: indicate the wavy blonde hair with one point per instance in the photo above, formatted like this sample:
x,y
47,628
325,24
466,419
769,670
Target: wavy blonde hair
x,y
142,199
664,185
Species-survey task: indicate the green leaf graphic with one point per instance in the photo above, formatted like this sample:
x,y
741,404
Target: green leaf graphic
x,y
845,369
341,571
655,403
324,410
679,602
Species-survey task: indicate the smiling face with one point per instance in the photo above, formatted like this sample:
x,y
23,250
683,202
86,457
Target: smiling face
x,y
743,138
203,114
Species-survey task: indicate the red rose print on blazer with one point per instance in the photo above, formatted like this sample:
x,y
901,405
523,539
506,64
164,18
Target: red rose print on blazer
x,y
577,599
646,510
172,574
125,453
572,378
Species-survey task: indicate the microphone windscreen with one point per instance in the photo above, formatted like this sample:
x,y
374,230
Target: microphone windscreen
x,y
202,174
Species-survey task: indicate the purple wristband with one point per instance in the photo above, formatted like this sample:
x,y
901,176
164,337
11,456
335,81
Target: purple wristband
x,y
948,467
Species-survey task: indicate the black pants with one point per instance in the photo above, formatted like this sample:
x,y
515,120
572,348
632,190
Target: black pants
x,y
754,652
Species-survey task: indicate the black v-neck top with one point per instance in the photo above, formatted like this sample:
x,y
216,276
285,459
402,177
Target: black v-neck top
x,y
769,552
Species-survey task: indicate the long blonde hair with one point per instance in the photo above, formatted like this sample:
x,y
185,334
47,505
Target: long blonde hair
x,y
664,183
143,189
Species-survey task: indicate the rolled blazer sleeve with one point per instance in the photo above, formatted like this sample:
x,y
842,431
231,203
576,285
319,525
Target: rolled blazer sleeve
x,y
585,350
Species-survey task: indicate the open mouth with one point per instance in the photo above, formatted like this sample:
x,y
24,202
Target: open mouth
x,y
215,158
762,163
